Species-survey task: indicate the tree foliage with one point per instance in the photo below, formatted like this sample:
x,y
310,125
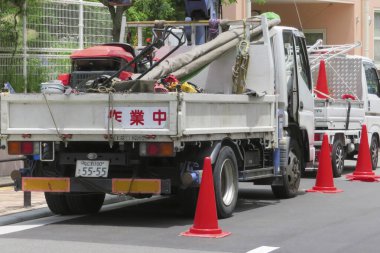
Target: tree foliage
x,y
235,1
10,12
151,10
141,10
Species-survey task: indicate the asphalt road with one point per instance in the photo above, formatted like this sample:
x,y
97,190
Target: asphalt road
x,y
311,222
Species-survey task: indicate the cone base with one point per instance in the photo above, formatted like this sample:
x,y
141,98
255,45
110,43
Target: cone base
x,y
205,233
363,176
324,189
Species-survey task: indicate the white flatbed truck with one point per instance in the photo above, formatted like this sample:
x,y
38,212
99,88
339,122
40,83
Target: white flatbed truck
x,y
343,113
84,145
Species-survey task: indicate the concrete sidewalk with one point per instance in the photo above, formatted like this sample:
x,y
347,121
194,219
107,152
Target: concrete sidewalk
x,y
6,181
13,202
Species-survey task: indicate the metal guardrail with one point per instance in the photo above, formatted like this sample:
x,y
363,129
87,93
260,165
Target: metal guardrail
x,y
148,25
27,195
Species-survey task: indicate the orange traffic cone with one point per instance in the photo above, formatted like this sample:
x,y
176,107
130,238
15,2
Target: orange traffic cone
x,y
363,170
324,182
206,221
321,89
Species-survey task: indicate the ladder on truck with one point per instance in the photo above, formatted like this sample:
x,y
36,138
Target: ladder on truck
x,y
318,52
334,56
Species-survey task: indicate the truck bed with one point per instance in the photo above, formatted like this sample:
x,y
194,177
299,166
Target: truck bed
x,y
332,114
135,117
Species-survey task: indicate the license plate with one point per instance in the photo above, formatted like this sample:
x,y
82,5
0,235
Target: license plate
x,y
86,168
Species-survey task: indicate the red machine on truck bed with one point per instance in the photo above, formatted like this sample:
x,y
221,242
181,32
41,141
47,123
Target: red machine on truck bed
x,y
100,60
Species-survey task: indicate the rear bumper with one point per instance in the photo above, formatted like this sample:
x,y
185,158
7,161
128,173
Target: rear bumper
x,y
115,185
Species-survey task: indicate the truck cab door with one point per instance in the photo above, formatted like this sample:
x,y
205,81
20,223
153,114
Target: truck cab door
x,y
372,85
299,85
306,99
373,89
298,80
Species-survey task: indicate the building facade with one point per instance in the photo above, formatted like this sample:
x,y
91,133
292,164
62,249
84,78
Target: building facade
x,y
333,21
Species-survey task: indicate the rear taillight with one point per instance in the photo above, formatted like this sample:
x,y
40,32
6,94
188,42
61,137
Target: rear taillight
x,y
27,148
318,137
14,148
64,78
163,149
23,148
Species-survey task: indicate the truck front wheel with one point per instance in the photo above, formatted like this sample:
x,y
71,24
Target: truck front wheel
x,y
226,182
374,152
291,177
337,157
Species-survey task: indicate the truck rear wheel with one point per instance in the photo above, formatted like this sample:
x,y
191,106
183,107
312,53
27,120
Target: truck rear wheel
x,y
337,157
226,182
292,175
83,203
57,203
374,152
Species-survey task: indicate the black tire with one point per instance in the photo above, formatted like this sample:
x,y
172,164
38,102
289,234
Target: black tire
x,y
337,157
288,188
57,203
226,182
374,149
84,203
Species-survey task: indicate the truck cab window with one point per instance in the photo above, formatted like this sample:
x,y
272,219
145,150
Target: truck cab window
x,y
372,80
289,59
302,61
290,74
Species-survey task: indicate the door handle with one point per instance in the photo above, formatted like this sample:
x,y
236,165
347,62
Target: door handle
x,y
301,106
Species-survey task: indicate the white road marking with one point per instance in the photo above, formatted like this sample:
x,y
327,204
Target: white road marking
x,y
34,223
263,249
17,227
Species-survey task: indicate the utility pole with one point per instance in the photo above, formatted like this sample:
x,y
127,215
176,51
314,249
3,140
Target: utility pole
x,y
365,26
248,8
24,49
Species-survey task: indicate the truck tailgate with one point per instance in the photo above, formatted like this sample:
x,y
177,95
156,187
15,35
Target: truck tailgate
x,y
136,117
86,115
332,114
236,115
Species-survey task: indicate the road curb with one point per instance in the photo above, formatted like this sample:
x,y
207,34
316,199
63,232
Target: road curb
x,y
25,216
45,212
6,184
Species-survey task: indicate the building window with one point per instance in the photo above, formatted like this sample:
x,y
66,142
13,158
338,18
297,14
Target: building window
x,y
312,35
377,37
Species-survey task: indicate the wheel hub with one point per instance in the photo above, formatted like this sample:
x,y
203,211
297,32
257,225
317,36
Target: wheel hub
x,y
374,153
227,177
293,170
339,158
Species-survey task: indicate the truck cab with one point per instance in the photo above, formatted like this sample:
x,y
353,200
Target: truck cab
x,y
294,87
353,100
145,142
371,97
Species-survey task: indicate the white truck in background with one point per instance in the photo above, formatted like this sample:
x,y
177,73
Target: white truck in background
x,y
353,90
371,97
83,145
